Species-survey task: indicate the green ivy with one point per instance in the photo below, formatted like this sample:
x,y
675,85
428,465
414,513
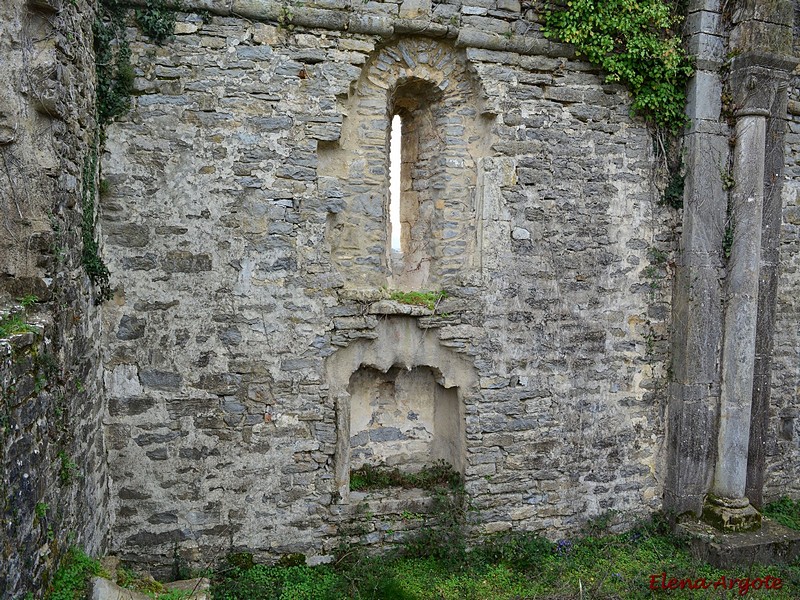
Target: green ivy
x,y
635,42
156,20
93,263
112,62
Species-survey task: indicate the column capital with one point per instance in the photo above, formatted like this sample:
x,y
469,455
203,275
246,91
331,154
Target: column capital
x,y
755,79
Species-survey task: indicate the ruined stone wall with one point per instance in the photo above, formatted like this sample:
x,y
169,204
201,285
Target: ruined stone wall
x,y
53,476
248,144
783,450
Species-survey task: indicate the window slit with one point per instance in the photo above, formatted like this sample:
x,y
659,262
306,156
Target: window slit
x,y
396,136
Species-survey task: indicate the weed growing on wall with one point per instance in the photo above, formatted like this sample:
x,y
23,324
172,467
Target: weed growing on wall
x,y
428,478
68,470
635,42
112,62
156,20
93,263
69,582
427,299
15,322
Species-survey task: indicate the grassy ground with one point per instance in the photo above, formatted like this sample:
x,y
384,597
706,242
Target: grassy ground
x,y
596,566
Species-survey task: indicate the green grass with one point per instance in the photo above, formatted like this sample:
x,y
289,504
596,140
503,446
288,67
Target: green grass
x,y
71,579
785,511
510,567
427,299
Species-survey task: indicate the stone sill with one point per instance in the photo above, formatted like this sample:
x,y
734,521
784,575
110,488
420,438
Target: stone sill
x,y
393,307
393,501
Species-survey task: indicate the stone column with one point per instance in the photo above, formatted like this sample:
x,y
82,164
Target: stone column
x,y
755,86
767,296
738,352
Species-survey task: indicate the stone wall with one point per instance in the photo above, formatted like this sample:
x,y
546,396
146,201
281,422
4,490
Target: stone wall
x,y
251,356
248,146
783,450
53,472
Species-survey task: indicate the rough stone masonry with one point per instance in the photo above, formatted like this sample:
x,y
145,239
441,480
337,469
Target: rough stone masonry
x,y
251,357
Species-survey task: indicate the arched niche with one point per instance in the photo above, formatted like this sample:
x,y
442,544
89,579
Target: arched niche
x,y
376,383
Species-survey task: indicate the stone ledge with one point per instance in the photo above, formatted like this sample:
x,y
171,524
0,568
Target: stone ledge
x,y
772,543
370,24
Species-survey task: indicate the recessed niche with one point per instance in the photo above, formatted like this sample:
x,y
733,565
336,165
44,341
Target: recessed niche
x,y
400,401
403,418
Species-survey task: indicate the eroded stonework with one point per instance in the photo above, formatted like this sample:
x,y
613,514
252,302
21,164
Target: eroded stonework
x,y
251,356
250,154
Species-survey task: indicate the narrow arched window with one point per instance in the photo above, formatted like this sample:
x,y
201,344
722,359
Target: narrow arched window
x,y
395,159
413,183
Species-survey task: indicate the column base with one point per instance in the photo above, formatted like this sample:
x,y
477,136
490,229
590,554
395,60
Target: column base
x,y
771,544
731,514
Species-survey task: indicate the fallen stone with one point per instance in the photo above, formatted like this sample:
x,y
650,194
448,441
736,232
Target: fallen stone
x,y
103,589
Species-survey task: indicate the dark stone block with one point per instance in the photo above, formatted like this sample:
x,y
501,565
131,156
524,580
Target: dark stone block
x,y
129,406
147,439
133,494
386,434
131,328
128,235
163,517
180,261
160,380
146,538
223,384
158,454
140,263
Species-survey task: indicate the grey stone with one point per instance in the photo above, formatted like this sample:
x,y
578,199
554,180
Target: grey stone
x,y
131,328
160,380
180,261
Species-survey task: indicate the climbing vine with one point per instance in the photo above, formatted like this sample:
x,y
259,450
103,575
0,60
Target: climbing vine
x,y
115,76
93,263
636,43
156,20
112,62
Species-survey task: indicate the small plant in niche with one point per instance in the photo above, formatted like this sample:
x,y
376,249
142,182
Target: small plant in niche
x,y
429,300
371,477
16,322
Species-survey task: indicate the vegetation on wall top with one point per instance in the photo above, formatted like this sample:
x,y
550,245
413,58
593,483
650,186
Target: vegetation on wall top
x,y
636,43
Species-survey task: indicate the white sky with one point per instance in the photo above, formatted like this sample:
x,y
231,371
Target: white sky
x,y
394,182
